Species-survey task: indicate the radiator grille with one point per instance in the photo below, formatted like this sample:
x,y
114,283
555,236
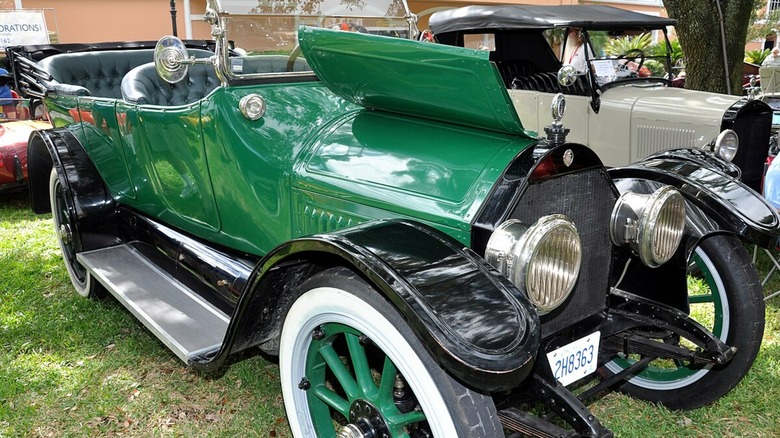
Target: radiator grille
x,y
753,131
587,199
652,139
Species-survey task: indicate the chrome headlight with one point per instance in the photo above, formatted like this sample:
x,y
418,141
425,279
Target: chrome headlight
x,y
726,145
543,259
651,225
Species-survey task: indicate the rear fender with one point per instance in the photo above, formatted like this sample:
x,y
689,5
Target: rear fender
x,y
90,202
475,322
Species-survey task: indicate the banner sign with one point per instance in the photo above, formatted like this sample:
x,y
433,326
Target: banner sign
x,y
22,28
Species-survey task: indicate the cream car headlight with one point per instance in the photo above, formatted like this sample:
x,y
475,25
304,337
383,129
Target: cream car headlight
x,y
651,225
543,260
726,145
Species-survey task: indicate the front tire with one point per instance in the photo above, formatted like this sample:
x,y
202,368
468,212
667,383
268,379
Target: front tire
x,y
69,239
733,310
343,346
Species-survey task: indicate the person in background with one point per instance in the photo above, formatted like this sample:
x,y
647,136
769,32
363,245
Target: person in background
x,y
773,59
574,53
5,90
7,95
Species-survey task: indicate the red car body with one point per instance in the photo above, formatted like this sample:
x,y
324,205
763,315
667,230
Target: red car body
x,y
13,152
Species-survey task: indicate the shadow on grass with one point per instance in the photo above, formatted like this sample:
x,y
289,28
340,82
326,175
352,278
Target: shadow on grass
x,y
77,367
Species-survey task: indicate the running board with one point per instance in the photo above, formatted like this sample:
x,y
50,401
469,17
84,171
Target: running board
x,y
184,322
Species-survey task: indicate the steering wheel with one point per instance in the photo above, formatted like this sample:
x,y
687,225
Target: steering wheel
x,y
296,52
634,54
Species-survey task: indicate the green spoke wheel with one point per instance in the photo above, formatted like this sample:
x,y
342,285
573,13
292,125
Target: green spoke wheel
x,y
351,365
725,296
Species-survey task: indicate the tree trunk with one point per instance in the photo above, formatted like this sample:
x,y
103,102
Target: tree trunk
x,y
699,31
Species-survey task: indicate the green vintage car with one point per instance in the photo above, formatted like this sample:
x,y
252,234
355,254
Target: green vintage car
x,y
369,207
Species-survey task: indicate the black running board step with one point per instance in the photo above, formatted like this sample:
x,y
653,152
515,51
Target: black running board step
x,y
184,322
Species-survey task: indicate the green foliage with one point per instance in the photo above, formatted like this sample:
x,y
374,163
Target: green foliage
x,y
598,40
762,24
621,45
756,56
657,69
660,49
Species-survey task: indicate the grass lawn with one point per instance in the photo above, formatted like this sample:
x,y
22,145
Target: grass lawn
x,y
70,366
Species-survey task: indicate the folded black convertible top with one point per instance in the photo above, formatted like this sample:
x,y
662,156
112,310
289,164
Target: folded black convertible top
x,y
543,17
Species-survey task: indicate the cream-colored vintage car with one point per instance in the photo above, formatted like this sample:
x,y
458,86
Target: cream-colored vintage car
x,y
769,93
623,106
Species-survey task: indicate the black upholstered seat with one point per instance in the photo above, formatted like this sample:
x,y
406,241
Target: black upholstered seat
x,y
97,73
93,73
143,86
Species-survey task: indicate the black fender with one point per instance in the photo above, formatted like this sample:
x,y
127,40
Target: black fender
x,y
715,202
722,202
478,325
89,201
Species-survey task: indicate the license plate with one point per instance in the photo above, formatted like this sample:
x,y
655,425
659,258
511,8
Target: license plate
x,y
575,360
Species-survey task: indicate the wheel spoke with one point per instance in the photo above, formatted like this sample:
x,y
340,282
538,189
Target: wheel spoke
x,y
357,354
339,370
396,422
332,399
388,380
699,299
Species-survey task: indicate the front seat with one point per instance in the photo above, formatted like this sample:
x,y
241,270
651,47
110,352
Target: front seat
x,y
143,86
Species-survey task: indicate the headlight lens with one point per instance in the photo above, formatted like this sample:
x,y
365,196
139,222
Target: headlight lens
x,y
543,259
651,225
727,145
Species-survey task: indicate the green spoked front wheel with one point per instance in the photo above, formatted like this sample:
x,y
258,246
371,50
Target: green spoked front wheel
x,y
350,364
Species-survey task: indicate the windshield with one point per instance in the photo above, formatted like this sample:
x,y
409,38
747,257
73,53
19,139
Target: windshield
x,y
258,27
614,56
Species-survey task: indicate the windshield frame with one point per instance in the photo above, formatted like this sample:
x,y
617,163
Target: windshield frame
x,y
218,17
591,73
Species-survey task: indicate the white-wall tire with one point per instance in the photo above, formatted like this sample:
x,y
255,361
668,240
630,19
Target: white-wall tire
x,y
66,231
339,297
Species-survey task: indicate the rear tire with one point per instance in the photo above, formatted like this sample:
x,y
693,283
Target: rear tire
x,y
69,239
736,307
342,346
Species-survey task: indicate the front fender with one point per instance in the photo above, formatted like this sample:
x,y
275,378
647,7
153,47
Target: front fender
x,y
728,204
478,326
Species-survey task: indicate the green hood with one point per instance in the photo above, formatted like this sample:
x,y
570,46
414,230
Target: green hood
x,y
451,84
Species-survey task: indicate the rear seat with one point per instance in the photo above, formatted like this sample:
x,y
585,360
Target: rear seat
x,y
98,73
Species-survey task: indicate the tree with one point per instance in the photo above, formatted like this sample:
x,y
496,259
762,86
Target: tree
x,y
699,31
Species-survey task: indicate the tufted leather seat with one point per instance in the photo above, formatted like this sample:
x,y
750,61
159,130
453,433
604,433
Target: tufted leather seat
x,y
97,73
93,73
143,86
